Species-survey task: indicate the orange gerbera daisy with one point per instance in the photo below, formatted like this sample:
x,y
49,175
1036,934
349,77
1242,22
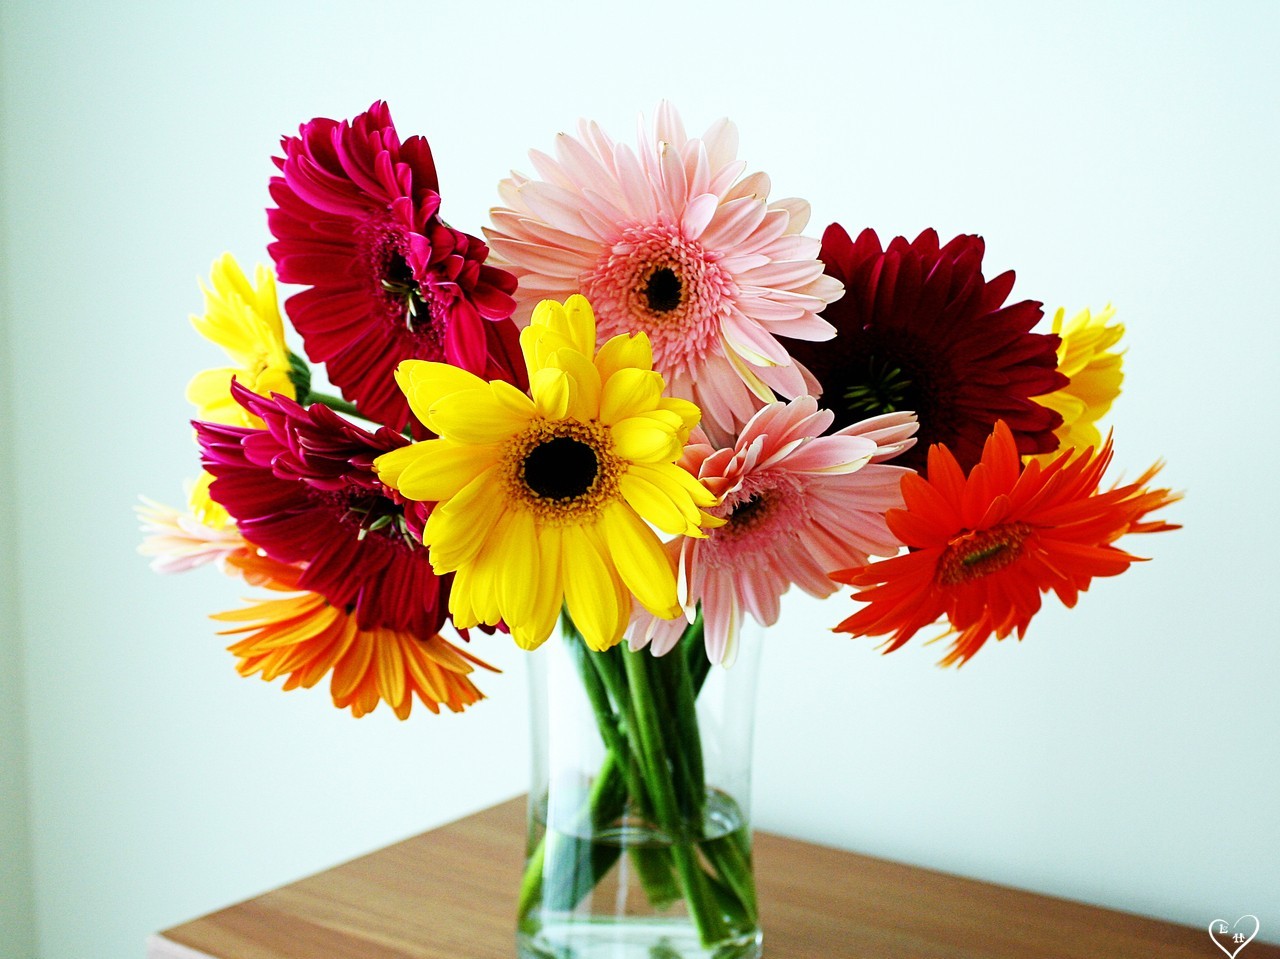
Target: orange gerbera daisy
x,y
304,636
985,547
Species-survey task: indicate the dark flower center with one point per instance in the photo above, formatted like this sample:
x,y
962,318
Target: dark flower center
x,y
561,468
398,281
748,512
970,556
664,291
373,514
885,387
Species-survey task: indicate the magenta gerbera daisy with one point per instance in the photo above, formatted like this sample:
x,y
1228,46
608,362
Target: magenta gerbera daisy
x,y
303,491
921,329
357,221
798,505
672,240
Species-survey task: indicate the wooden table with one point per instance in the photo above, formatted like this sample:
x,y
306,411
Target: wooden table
x,y
450,894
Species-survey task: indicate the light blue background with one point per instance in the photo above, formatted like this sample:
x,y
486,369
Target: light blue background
x,y
1124,754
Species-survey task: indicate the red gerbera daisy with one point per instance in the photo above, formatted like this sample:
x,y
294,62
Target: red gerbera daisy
x,y
920,329
303,490
357,221
984,548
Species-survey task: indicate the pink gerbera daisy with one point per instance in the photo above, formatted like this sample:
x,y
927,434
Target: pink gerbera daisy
x,y
672,240
357,221
798,505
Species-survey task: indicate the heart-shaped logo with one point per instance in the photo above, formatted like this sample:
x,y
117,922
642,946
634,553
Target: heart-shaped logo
x,y
1220,933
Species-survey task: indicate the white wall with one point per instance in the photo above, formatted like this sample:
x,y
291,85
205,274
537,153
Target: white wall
x,y
17,922
1123,754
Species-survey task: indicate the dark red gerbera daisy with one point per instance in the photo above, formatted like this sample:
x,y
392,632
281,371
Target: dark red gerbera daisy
x,y
303,491
357,220
921,329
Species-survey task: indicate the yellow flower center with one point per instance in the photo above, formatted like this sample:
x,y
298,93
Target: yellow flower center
x,y
970,556
564,471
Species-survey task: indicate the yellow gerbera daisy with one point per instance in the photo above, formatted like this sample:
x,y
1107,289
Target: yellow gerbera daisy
x,y
1086,357
244,320
545,498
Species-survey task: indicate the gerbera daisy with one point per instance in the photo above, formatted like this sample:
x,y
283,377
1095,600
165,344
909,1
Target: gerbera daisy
x,y
305,637
921,329
357,221
243,319
671,240
1087,358
179,541
986,546
544,498
303,491
796,505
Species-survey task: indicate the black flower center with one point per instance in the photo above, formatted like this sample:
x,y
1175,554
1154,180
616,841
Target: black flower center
x,y
748,511
561,468
886,387
664,291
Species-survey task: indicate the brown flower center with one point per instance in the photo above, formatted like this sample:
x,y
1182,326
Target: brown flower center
x,y
970,556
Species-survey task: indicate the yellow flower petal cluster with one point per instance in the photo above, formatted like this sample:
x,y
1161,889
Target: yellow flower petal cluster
x,y
243,319
545,499
1087,358
207,510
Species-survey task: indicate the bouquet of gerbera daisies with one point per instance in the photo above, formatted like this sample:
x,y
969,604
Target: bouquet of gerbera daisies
x,y
645,408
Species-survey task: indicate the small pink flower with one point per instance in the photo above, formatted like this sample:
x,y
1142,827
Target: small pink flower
x,y
798,505
177,541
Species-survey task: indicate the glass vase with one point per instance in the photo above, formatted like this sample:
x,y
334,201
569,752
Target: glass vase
x,y
639,843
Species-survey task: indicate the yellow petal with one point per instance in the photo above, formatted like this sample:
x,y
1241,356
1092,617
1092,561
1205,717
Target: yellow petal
x,y
592,589
512,398
624,352
641,439
550,596
456,530
550,390
628,393
646,568
433,470
584,384
519,583
423,382
688,412
475,416
674,479
653,503
580,324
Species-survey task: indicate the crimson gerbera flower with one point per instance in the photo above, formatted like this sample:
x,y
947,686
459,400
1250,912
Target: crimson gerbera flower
x,y
357,221
920,329
986,546
303,490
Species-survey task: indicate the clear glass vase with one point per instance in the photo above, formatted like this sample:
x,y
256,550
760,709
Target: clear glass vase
x,y
639,840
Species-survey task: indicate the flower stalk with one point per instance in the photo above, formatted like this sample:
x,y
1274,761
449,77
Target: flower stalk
x,y
645,711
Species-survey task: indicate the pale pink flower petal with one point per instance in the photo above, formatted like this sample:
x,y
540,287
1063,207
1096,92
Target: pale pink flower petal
x,y
799,505
178,542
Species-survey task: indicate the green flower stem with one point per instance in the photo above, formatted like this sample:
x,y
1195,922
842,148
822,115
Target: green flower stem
x,y
568,894
646,711
703,910
653,864
335,403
